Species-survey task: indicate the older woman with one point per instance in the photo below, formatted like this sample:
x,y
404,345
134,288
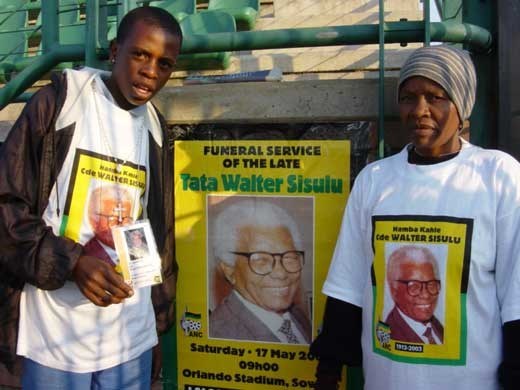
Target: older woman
x,y
436,324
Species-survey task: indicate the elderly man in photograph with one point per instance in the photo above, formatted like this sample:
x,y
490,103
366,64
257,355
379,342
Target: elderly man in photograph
x,y
257,247
413,277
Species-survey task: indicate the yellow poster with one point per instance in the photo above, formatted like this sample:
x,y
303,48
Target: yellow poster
x,y
256,226
420,278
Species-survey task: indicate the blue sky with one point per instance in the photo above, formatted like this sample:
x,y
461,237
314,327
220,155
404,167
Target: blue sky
x,y
434,15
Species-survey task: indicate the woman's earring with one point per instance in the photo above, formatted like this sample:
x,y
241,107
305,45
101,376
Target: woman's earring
x,y
113,61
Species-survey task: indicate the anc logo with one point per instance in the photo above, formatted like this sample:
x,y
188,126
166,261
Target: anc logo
x,y
190,323
383,335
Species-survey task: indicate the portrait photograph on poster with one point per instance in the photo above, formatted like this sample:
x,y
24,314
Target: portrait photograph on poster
x,y
260,268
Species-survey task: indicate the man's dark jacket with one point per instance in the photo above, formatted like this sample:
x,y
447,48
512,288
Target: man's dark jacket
x,y
30,161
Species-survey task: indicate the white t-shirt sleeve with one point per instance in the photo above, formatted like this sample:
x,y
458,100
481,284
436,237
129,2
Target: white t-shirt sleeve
x,y
507,270
350,266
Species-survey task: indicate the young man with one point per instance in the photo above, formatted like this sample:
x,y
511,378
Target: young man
x,y
88,140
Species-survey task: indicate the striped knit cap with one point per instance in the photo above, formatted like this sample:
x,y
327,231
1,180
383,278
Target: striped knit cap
x,y
449,67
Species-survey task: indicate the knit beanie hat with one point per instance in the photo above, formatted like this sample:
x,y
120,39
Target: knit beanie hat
x,y
449,67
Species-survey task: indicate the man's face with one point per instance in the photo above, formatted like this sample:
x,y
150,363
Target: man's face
x,y
108,212
137,239
422,306
276,290
143,64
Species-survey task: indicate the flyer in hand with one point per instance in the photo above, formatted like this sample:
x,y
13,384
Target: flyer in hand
x,y
139,260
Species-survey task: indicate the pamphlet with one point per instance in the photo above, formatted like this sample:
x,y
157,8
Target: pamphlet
x,y
139,260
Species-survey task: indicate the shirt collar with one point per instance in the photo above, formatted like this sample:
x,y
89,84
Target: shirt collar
x,y
418,327
272,320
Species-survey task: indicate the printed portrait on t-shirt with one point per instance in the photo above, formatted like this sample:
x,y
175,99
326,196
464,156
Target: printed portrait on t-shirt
x,y
414,299
419,278
100,196
260,268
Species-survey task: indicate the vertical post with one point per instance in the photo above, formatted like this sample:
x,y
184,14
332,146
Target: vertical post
x,y
124,7
96,32
381,127
484,119
169,350
355,378
50,24
426,17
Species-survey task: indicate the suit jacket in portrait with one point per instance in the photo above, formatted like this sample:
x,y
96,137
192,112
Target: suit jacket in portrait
x,y
401,331
231,319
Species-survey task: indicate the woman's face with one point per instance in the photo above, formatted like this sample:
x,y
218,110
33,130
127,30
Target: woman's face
x,y
430,116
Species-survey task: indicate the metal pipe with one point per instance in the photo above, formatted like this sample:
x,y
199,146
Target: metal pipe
x,y
381,116
395,32
426,17
33,72
50,23
96,12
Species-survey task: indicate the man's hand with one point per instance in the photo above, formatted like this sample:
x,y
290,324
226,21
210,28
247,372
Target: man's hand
x,y
156,362
99,282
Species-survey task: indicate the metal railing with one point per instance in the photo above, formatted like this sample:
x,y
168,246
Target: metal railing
x,y
94,51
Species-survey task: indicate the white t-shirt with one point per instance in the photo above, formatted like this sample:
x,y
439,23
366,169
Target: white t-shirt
x,y
62,329
466,212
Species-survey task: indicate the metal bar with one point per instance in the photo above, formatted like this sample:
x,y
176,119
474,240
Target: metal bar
x,y
395,32
50,23
23,98
485,112
33,72
95,29
381,97
426,17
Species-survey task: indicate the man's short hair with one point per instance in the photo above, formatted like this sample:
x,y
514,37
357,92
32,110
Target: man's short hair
x,y
153,16
250,212
409,254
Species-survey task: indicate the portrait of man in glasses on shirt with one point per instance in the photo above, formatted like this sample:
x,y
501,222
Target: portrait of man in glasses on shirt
x,y
108,206
415,286
258,249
